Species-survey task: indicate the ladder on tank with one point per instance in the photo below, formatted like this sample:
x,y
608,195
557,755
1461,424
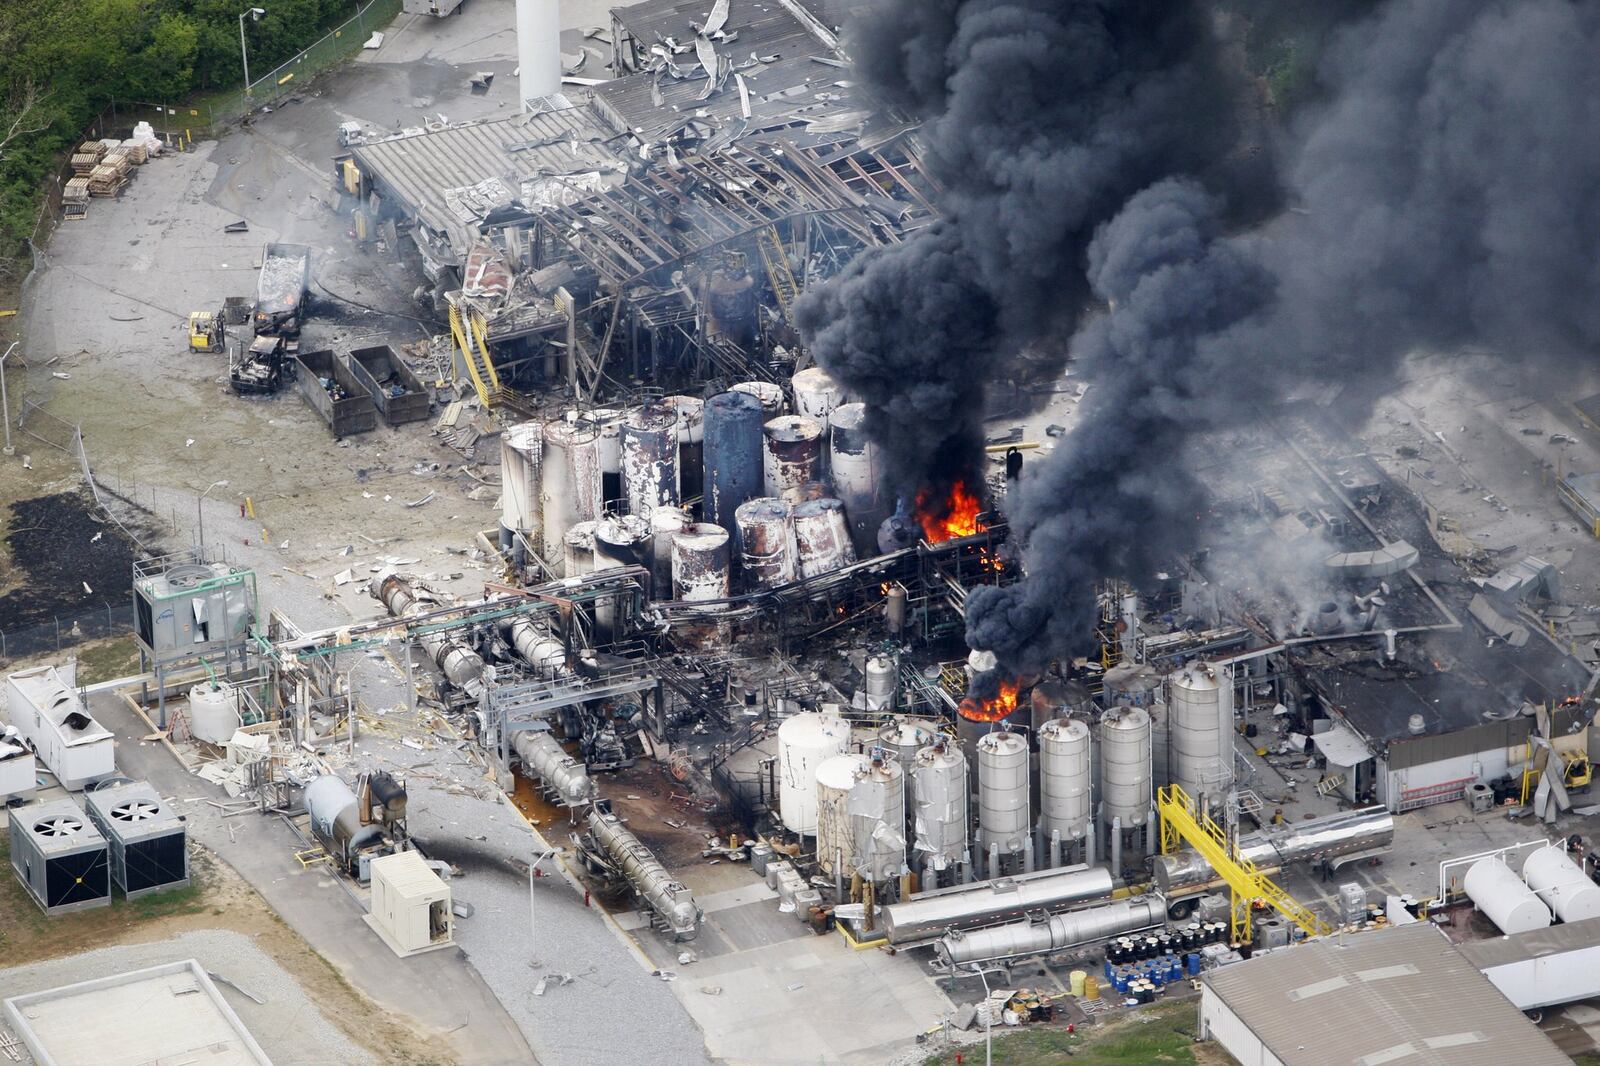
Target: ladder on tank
x,y
468,332
1181,824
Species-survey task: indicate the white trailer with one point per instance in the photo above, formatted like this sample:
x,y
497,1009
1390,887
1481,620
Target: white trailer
x,y
44,706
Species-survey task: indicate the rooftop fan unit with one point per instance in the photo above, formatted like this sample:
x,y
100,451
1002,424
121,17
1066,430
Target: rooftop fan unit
x,y
59,856
148,842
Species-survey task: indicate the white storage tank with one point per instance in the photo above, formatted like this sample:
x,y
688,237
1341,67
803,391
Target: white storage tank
x,y
1065,773
1509,903
1003,807
902,738
213,712
1125,789
1562,884
805,741
570,479
939,817
816,394
665,523
860,809
521,447
1200,731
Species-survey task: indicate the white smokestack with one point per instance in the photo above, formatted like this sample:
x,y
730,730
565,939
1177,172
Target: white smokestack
x,y
539,48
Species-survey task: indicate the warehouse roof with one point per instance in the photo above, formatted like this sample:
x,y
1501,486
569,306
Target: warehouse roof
x,y
440,175
1534,944
1403,995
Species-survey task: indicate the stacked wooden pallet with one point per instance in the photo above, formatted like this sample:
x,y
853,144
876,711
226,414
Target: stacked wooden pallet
x,y
75,198
138,153
83,162
106,180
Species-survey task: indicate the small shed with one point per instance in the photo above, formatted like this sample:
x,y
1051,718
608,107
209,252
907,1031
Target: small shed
x,y
410,905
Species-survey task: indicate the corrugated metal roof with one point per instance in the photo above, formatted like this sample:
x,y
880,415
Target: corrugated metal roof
x,y
407,875
1403,995
1536,944
418,169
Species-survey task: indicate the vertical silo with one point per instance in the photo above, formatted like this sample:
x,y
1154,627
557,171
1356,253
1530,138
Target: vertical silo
x,y
733,471
521,448
700,563
805,742
860,812
650,459
939,817
1065,771
1004,811
853,462
768,394
1200,732
570,481
1125,785
816,395
665,522
791,455
689,415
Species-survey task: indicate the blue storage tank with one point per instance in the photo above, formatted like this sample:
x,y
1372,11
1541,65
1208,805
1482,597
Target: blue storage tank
x,y
733,475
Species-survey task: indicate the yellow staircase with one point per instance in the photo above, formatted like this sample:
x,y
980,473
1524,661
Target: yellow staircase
x,y
784,287
1181,825
468,332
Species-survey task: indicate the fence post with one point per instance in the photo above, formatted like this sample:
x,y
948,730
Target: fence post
x,y
57,621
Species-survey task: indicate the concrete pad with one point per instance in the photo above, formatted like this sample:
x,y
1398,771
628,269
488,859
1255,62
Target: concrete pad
x,y
167,1013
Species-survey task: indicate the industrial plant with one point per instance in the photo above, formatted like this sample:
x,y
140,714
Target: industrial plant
x,y
794,531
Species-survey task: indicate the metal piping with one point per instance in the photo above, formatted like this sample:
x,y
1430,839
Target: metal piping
x,y
668,898
538,648
1059,933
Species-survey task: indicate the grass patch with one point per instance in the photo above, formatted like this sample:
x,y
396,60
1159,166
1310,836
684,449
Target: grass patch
x,y
1155,1035
104,660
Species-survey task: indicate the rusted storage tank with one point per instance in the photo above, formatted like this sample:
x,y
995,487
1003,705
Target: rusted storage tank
x,y
732,296
569,483
767,550
770,395
578,549
650,459
621,540
853,463
822,537
791,454
700,559
664,524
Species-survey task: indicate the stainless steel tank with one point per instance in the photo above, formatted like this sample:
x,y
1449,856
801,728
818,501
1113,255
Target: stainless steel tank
x,y
939,818
861,816
1058,933
1125,786
562,776
767,393
336,819
579,549
881,680
928,914
689,416
1003,806
1200,731
666,897
1065,775
1338,838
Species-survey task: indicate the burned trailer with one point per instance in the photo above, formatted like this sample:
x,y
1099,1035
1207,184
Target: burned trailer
x,y
281,290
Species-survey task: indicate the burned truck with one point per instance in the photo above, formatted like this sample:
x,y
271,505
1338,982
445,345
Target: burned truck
x,y
280,309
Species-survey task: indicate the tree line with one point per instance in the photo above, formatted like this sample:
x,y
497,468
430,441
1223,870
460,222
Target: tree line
x,y
62,62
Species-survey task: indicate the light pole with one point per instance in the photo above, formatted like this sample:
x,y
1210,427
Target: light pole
x,y
988,1019
5,402
200,515
255,14
532,868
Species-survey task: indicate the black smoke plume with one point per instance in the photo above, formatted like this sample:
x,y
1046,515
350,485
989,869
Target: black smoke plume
x,y
1445,194
1040,119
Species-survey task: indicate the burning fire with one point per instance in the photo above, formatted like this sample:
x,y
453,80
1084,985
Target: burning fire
x,y
976,710
954,516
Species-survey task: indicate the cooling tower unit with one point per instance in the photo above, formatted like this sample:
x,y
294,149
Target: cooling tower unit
x,y
148,841
59,856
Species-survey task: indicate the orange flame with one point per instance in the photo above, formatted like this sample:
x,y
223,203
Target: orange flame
x,y
954,516
976,710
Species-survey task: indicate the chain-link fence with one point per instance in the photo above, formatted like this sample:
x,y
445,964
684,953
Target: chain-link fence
x,y
182,122
106,620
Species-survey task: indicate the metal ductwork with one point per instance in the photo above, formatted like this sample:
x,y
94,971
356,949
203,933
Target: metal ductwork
x,y
461,666
930,914
1058,933
1342,837
561,774
670,900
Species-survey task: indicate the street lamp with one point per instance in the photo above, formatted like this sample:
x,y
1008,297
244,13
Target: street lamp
x,y
988,1019
532,868
5,403
255,14
200,515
